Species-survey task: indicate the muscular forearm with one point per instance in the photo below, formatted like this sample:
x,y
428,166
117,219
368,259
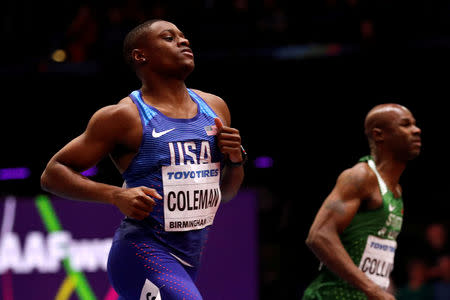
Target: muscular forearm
x,y
329,249
232,178
65,182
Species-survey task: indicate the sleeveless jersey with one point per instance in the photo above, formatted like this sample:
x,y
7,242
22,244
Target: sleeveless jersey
x,y
180,160
370,240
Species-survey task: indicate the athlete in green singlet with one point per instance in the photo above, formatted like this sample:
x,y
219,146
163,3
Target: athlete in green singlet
x,y
354,232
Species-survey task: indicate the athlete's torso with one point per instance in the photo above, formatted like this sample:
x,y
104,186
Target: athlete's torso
x,y
180,160
370,240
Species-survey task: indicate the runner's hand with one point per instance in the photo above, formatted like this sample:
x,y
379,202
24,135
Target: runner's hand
x,y
379,294
137,202
229,141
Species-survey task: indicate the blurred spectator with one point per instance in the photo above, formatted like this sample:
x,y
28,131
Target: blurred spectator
x,y
417,287
367,30
272,21
115,29
442,285
135,13
82,35
436,248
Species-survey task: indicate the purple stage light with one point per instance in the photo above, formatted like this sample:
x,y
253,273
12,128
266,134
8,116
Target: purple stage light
x,y
90,172
14,173
263,162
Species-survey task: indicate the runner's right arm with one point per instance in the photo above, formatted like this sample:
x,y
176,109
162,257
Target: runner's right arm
x,y
335,214
62,177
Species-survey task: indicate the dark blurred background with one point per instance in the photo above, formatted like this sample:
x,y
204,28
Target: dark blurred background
x,y
298,77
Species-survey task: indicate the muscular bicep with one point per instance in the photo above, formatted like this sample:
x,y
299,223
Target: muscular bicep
x,y
337,211
223,112
91,146
341,205
81,153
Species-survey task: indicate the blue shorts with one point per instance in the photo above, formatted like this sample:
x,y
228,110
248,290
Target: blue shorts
x,y
146,271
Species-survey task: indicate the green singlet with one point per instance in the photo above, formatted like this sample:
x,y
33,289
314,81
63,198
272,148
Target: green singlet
x,y
370,240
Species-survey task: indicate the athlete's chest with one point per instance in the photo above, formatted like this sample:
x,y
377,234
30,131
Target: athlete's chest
x,y
180,143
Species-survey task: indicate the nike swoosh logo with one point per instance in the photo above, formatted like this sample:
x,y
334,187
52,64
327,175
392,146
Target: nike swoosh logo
x,y
158,134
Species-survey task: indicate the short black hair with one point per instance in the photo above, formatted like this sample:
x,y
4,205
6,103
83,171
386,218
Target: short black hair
x,y
132,39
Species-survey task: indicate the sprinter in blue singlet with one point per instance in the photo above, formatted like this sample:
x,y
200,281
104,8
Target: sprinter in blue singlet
x,y
178,157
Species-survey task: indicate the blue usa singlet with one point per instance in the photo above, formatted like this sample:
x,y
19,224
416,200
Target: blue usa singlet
x,y
158,256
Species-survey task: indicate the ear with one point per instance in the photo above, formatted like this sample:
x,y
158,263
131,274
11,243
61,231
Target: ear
x,y
138,56
377,134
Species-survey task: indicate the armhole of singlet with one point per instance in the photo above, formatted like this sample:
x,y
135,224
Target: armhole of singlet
x,y
204,107
381,183
145,116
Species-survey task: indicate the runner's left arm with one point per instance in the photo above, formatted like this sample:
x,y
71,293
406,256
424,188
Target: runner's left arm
x,y
229,141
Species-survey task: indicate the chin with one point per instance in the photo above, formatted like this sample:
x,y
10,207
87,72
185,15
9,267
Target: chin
x,y
414,154
187,70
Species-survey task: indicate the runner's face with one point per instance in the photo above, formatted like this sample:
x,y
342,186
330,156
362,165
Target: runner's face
x,y
404,135
168,50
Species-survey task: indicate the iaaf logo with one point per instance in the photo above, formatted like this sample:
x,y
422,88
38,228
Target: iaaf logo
x,y
45,254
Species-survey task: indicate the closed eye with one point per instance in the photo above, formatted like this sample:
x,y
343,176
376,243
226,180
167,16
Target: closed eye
x,y
168,38
407,122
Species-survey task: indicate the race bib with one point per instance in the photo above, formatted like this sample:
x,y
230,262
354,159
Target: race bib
x,y
191,195
377,261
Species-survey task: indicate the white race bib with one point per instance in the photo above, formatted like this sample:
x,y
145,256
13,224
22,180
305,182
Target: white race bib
x,y
191,195
377,261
